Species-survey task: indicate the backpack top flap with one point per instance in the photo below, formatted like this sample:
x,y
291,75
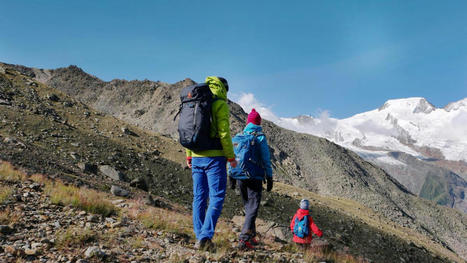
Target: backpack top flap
x,y
198,92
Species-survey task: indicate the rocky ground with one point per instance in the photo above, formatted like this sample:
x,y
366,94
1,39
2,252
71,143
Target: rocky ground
x,y
36,229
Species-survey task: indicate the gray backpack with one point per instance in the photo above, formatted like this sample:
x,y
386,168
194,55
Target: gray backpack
x,y
194,125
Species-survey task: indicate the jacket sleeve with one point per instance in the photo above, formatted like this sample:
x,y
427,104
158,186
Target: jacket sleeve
x,y
188,153
223,129
292,223
265,155
315,228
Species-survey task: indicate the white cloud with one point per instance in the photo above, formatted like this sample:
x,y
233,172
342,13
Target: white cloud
x,y
307,124
248,101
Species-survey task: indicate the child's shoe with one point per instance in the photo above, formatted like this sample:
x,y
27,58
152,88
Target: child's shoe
x,y
245,245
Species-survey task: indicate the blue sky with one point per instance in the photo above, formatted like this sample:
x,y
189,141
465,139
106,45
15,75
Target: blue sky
x,y
297,57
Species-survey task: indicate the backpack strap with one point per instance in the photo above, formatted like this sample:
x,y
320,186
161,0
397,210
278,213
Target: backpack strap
x,y
178,113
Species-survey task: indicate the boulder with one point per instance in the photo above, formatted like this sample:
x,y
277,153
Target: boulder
x,y
139,183
88,168
266,228
118,191
112,172
94,251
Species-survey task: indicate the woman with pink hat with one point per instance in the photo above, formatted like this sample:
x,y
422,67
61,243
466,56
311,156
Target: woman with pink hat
x,y
251,188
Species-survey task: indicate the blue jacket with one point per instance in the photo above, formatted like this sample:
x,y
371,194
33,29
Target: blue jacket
x,y
264,147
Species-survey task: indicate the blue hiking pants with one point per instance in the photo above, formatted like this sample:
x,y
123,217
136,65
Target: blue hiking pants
x,y
209,181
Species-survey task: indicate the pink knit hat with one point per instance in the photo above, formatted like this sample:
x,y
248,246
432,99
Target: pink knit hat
x,y
254,118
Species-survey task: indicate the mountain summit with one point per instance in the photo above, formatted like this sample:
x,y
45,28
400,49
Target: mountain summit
x,y
412,105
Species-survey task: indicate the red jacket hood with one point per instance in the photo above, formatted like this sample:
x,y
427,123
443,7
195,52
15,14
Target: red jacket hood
x,y
301,213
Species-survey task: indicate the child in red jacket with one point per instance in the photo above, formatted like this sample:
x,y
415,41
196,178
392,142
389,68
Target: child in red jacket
x,y
299,215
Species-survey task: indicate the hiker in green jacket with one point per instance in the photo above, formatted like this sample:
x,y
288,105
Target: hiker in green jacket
x,y
209,167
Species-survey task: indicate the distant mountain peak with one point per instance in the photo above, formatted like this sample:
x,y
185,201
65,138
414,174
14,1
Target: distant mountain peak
x,y
456,105
413,104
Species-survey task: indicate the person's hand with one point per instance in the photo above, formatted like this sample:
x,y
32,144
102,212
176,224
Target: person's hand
x,y
269,184
188,162
232,162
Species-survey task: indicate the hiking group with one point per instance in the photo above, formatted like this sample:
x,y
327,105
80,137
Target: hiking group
x,y
212,155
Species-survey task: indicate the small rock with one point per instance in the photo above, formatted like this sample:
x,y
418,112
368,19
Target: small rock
x,y
36,245
46,241
94,251
10,250
74,155
267,202
30,252
118,191
149,200
35,186
116,224
127,131
4,102
160,203
110,220
67,104
118,201
53,97
92,218
6,230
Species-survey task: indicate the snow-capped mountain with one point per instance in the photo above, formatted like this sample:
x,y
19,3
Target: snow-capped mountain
x,y
403,125
422,146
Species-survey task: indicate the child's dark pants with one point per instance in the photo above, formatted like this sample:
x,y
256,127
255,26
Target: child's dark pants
x,y
251,195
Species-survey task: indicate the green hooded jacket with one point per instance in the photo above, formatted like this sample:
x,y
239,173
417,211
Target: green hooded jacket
x,y
220,127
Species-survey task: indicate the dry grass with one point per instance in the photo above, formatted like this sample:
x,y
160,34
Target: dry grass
x,y
137,242
223,237
82,198
85,199
162,219
75,237
7,216
318,254
5,193
9,174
